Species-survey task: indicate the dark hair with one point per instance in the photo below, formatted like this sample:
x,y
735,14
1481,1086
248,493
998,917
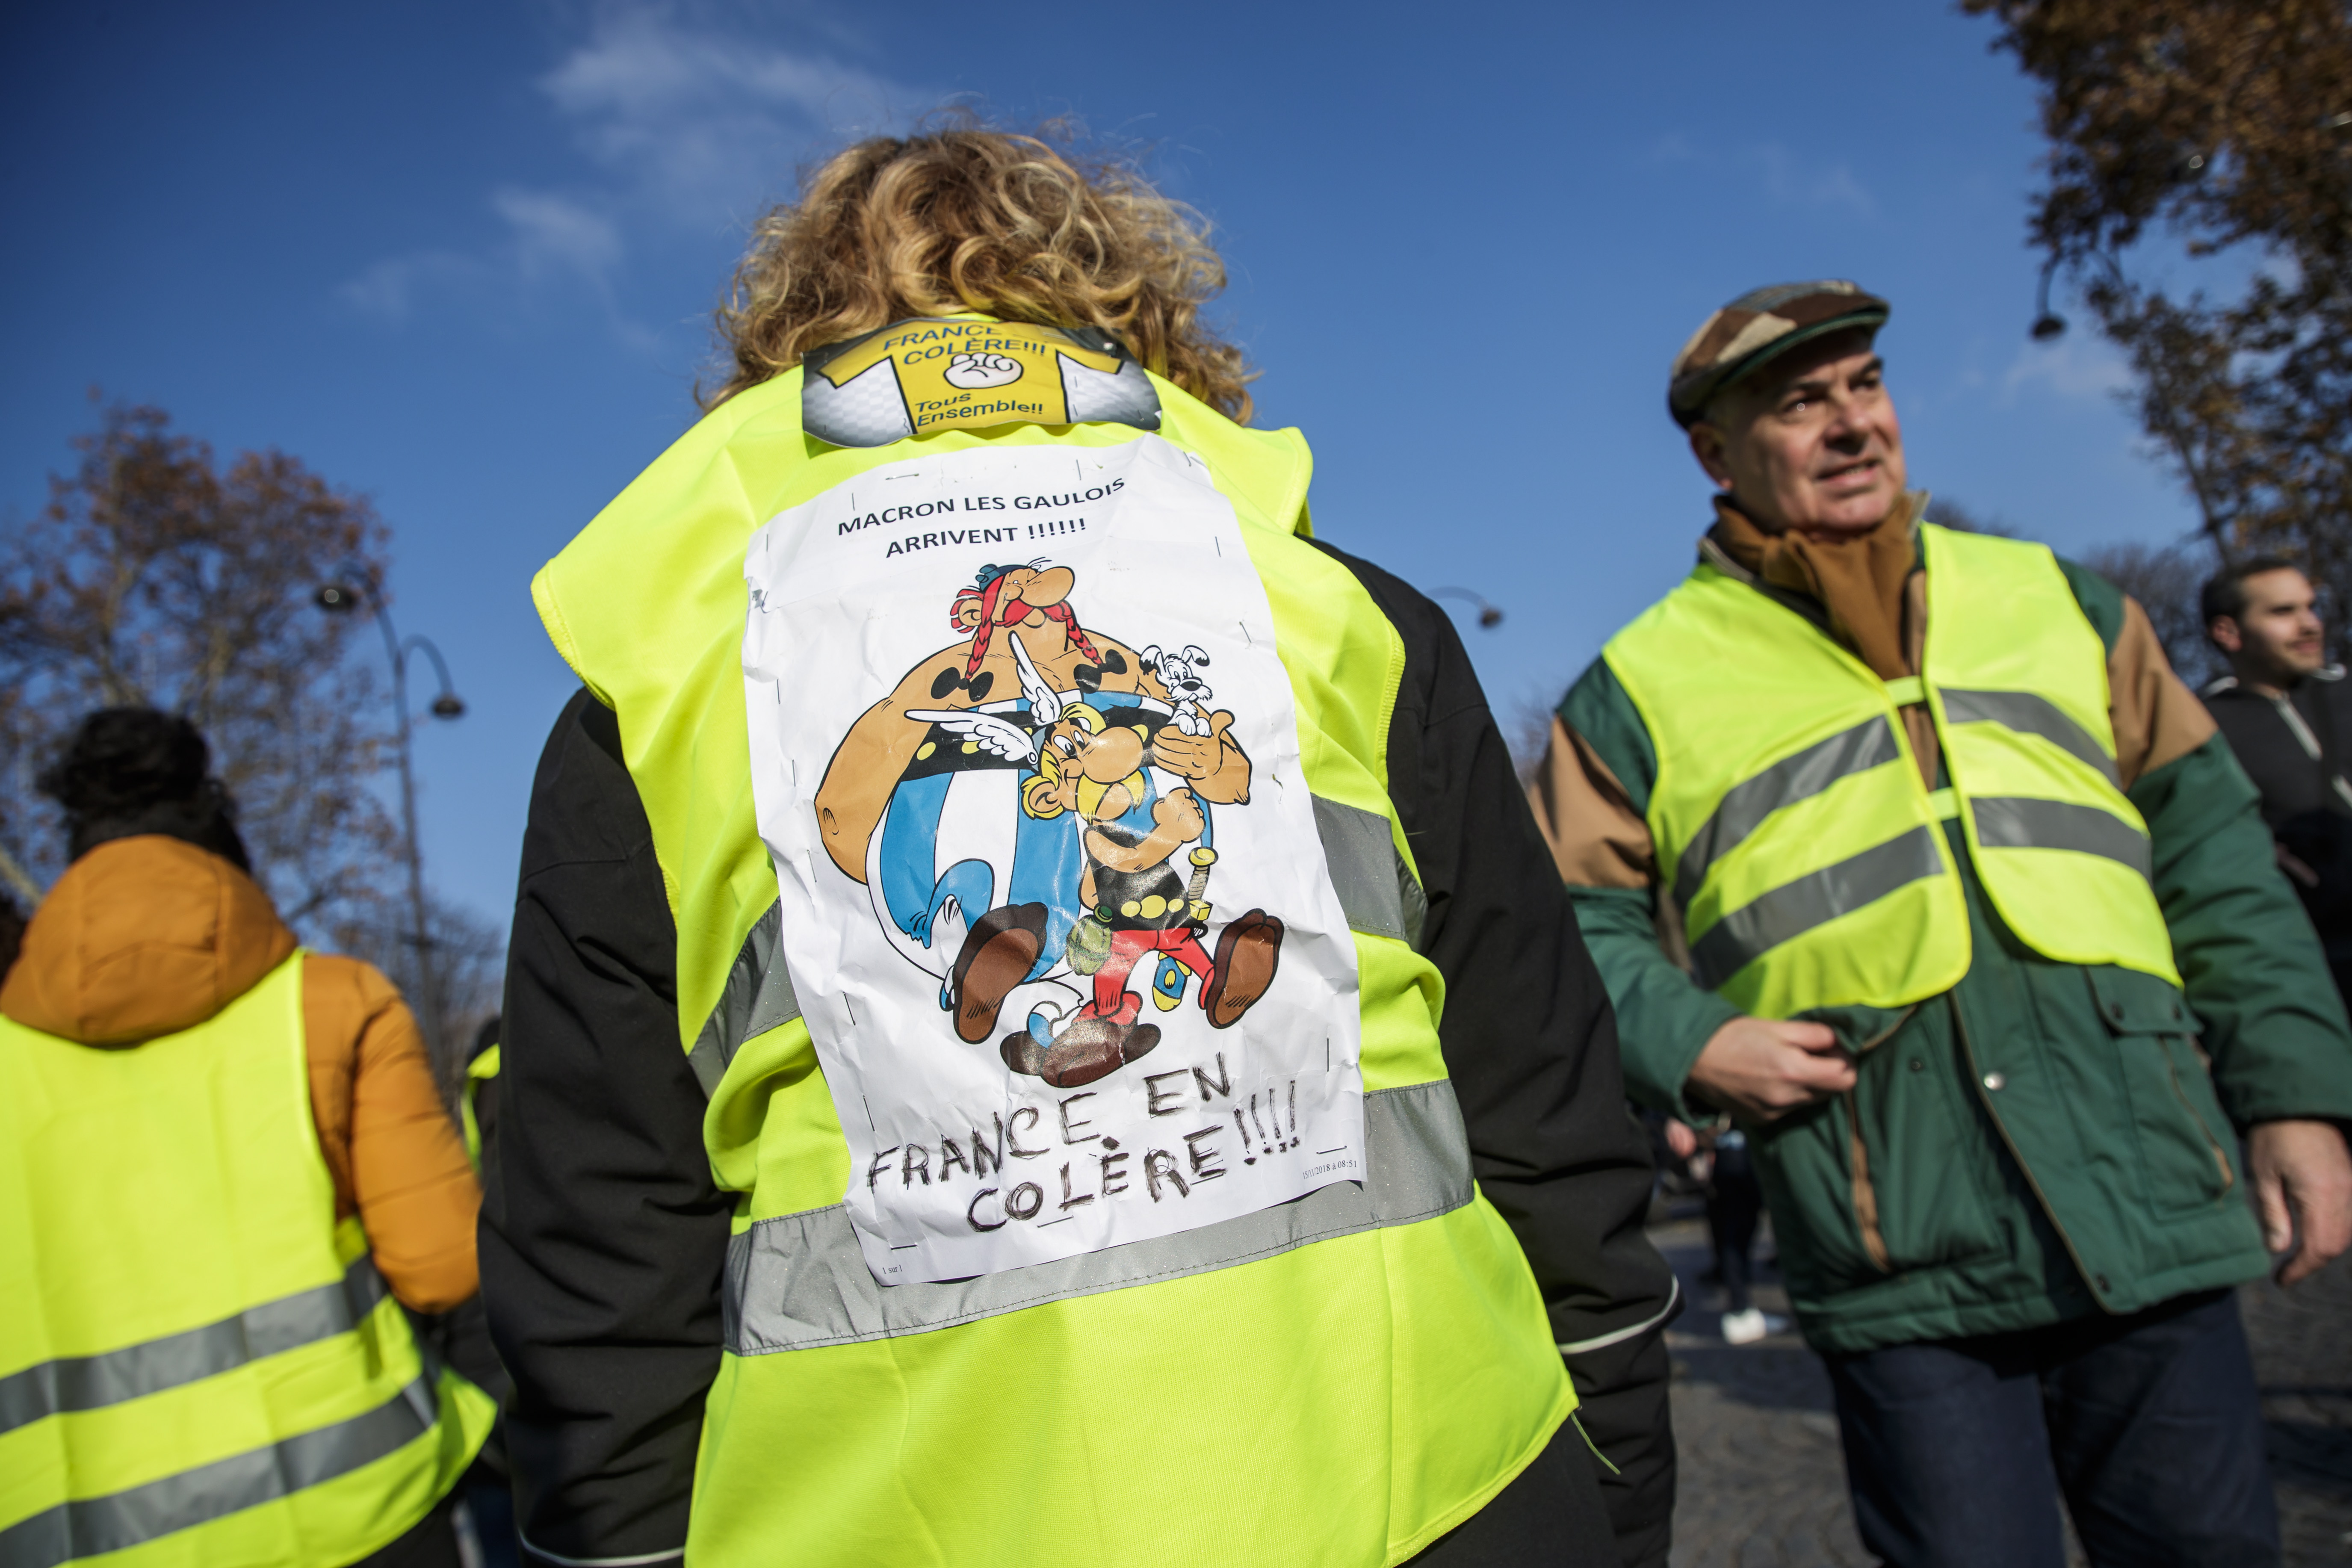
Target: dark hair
x,y
129,771
2225,592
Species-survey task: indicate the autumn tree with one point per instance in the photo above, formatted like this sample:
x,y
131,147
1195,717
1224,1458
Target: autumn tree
x,y
453,984
1948,513
154,577
2167,580
2200,197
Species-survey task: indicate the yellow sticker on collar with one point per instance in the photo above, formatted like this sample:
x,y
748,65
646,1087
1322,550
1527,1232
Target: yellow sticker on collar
x,y
913,377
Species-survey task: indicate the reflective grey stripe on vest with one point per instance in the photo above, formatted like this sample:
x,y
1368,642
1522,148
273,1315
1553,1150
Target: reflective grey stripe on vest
x,y
2030,715
1795,907
86,1527
757,997
2022,822
799,1280
92,1382
1746,804
1376,889
1378,892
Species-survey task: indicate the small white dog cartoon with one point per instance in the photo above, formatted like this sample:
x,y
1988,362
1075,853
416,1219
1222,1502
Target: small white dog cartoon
x,y
1180,673
973,372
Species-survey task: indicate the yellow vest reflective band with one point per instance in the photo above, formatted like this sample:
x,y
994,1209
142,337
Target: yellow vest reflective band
x,y
197,1364
1336,1380
1793,827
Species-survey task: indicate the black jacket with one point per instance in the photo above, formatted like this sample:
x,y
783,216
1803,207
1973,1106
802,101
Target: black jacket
x,y
604,1236
2295,750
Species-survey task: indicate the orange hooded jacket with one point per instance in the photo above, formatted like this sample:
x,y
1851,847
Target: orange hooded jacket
x,y
147,936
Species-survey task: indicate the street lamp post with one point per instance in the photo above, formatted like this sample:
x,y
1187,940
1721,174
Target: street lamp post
x,y
340,598
2048,324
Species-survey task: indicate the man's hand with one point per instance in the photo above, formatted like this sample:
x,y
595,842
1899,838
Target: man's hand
x,y
1766,1068
2303,1184
1683,1143
1680,1142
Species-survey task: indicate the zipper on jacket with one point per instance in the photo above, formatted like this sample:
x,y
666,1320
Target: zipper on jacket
x,y
2091,1281
2220,1158
1864,1194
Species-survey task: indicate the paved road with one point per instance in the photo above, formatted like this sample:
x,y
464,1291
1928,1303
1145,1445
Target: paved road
x,y
1763,1485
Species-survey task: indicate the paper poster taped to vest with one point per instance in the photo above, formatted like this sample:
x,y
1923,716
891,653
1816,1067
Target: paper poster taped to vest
x,y
1054,902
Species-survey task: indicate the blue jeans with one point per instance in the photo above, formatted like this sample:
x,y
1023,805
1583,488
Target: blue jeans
x,y
1957,1450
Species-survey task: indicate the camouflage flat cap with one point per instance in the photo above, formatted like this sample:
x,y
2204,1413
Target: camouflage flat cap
x,y
1761,325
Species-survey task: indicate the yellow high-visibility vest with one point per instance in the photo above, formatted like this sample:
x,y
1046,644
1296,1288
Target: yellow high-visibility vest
x,y
482,1070
1793,829
197,1363
1336,1380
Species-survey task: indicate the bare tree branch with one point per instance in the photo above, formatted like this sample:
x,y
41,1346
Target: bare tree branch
x,y
154,575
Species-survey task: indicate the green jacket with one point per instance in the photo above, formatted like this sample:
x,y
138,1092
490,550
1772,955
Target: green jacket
x,y
2045,1140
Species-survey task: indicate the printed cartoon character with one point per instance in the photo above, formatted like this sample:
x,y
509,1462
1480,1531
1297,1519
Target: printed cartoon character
x,y
1138,904
1179,672
971,886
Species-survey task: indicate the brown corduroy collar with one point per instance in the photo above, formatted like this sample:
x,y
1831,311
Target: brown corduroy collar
x,y
1858,579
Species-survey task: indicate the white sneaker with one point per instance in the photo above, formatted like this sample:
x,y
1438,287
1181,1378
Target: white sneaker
x,y
1746,1328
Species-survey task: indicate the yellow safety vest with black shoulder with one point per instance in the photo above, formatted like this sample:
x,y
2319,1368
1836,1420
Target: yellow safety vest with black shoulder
x,y
197,1363
1793,830
1016,770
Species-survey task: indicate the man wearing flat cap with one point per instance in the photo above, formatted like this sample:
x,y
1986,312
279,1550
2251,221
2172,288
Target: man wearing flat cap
x,y
1905,850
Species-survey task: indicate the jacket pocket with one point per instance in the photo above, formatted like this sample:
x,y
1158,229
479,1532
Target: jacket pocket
x,y
1917,1152
1804,1160
2176,1123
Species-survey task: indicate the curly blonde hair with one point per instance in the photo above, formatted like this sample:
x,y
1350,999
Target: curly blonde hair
x,y
967,218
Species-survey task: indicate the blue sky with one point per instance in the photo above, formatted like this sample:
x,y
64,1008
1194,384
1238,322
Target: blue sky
x,y
461,257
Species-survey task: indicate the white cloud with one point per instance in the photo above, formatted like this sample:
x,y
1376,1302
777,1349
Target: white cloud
x,y
388,290
553,232
2081,365
1790,179
547,237
684,117
679,127
1786,177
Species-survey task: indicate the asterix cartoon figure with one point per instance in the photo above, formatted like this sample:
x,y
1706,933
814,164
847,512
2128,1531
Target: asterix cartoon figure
x,y
1095,769
922,801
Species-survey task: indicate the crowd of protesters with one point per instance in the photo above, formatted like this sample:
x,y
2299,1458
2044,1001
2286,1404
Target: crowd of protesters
x,y
1888,870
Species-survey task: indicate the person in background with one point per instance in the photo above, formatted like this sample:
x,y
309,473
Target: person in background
x,y
230,1171
486,1495
706,1362
1718,1161
2286,712
1980,942
479,1108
